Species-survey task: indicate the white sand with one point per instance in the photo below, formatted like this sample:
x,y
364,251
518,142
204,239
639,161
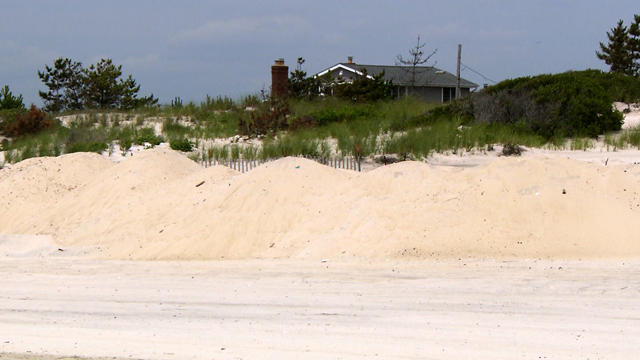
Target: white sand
x,y
148,207
632,117
311,310
341,287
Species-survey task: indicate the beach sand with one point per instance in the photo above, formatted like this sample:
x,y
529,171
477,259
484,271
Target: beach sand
x,y
532,257
149,207
283,309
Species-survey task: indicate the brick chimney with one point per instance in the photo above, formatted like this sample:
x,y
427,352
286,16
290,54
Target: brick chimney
x,y
349,59
279,78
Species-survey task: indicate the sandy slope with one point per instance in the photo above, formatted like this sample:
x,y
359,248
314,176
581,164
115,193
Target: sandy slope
x,y
631,114
149,207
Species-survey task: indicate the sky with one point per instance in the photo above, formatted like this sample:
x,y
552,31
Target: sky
x,y
225,48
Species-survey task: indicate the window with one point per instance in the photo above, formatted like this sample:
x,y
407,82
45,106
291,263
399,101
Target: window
x,y
448,94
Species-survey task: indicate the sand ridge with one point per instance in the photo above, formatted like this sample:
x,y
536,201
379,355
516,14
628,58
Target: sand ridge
x,y
148,207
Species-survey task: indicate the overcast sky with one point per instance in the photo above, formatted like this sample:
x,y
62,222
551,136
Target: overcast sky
x,y
193,48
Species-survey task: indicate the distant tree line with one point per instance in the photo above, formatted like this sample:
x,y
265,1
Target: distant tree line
x,y
100,86
622,52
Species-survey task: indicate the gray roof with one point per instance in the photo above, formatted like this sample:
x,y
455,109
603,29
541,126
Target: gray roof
x,y
402,75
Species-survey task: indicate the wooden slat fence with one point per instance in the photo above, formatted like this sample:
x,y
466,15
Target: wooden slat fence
x,y
242,165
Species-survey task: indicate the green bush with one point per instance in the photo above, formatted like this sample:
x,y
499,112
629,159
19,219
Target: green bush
x,y
364,89
148,135
181,144
571,104
268,118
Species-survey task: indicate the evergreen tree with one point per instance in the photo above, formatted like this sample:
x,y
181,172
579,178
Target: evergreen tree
x,y
299,86
65,82
129,99
8,101
102,88
633,44
365,88
72,87
616,53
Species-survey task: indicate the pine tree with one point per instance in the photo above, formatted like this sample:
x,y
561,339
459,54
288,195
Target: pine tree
x,y
129,98
633,44
65,83
616,53
72,87
8,101
102,89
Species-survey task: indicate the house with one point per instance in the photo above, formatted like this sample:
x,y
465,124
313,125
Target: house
x,y
425,82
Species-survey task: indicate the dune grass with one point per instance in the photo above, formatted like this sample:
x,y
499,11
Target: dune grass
x,y
628,138
339,128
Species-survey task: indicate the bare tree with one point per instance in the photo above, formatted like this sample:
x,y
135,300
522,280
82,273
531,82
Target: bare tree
x,y
415,59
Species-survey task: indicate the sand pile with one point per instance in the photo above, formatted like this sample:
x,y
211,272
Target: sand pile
x,y
29,188
149,207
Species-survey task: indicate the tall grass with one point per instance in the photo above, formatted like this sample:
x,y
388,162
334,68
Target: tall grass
x,y
443,136
625,139
582,144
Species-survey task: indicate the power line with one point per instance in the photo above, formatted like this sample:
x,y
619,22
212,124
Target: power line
x,y
467,67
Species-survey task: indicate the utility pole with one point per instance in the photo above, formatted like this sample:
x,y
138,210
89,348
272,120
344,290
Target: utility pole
x,y
458,73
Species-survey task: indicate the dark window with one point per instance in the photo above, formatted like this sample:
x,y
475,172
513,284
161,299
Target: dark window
x,y
448,94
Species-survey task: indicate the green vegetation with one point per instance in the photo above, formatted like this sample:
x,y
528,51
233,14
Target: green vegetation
x,y
561,111
622,52
8,101
100,86
88,134
181,144
625,139
575,103
362,88
17,123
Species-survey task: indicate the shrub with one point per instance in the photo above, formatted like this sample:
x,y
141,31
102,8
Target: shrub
x,y
148,135
364,88
30,122
181,144
510,149
571,104
269,118
125,144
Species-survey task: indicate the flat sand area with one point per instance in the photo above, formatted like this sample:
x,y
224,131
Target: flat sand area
x,y
266,309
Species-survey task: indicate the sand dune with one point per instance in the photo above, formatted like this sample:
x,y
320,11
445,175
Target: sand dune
x,y
149,207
